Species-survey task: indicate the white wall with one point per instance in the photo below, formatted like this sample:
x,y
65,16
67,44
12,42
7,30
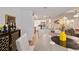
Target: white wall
x,y
27,21
23,18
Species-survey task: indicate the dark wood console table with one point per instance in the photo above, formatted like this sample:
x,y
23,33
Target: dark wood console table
x,y
8,40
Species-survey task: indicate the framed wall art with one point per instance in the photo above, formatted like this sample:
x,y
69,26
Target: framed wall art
x,y
10,19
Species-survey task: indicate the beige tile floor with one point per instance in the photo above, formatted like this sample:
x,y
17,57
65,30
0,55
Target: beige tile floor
x,y
45,43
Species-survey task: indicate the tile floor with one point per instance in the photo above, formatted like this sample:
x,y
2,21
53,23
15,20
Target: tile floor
x,y
45,43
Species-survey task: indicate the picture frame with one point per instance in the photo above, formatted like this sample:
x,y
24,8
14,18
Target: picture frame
x,y
10,19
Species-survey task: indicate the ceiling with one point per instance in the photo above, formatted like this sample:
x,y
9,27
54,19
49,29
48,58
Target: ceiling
x,y
51,11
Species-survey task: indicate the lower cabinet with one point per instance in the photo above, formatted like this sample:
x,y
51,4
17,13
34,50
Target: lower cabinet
x,y
8,40
4,43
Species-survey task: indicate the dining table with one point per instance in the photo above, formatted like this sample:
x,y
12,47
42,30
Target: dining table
x,y
72,42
